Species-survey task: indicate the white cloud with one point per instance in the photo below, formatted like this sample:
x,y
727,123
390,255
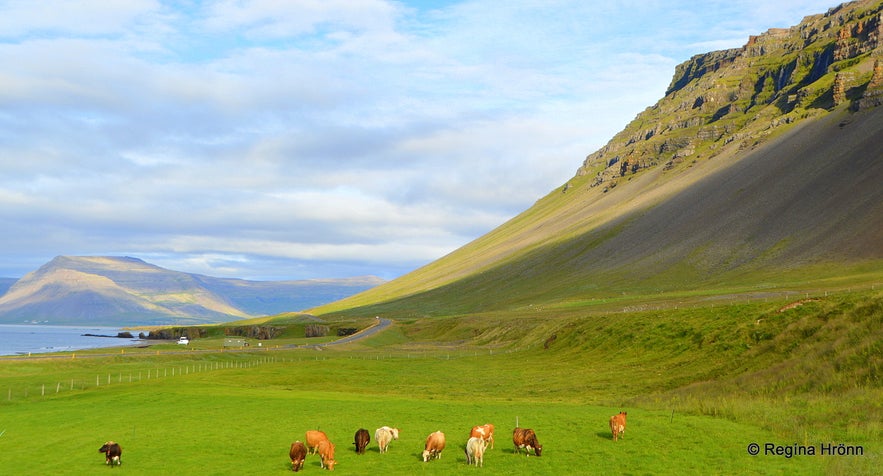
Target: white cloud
x,y
326,137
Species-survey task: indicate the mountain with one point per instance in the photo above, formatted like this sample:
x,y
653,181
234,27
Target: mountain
x,y
128,291
761,166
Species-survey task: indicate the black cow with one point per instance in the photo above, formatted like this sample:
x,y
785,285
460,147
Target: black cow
x,y
112,453
361,440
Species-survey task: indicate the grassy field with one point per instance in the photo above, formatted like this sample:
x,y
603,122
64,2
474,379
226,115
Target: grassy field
x,y
242,420
700,385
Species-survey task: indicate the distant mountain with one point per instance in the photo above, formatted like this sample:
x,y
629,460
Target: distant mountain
x,y
88,290
761,165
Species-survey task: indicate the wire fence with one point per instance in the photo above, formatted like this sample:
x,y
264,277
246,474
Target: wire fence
x,y
17,391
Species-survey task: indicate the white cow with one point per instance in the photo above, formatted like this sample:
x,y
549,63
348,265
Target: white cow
x,y
384,435
475,451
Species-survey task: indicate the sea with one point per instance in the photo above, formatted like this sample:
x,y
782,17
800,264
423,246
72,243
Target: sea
x,y
21,339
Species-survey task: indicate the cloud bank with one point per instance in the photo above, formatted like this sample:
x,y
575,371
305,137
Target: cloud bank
x,y
315,139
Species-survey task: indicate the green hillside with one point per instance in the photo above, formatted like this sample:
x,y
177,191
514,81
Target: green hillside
x,y
730,181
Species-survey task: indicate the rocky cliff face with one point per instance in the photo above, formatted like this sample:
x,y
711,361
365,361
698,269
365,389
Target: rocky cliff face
x,y
739,97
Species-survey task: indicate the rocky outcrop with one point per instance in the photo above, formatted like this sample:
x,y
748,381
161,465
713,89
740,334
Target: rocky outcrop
x,y
738,97
873,95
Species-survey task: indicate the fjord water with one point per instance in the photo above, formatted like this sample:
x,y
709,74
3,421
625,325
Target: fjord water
x,y
22,339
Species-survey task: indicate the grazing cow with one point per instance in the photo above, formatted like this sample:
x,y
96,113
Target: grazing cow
x,y
475,451
112,453
326,455
313,438
435,443
617,425
384,435
527,439
361,440
485,432
297,453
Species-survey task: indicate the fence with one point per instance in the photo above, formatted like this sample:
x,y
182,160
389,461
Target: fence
x,y
27,390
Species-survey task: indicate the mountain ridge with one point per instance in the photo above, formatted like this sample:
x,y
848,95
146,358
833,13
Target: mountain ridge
x,y
130,291
760,159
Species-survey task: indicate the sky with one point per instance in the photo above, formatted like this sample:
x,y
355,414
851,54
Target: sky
x,y
310,139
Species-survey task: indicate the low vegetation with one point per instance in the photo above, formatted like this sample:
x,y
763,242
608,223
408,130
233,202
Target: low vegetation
x,y
700,378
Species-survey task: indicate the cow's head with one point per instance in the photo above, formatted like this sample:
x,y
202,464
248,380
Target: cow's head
x,y
330,464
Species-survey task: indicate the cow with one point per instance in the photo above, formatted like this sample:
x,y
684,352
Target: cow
x,y
361,440
485,432
313,438
617,425
297,453
475,450
112,453
435,443
384,435
326,455
527,439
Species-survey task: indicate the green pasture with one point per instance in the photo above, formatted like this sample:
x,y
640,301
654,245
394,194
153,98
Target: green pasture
x,y
700,383
241,419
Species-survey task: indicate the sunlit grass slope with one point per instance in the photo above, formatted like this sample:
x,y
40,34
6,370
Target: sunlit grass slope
x,y
806,206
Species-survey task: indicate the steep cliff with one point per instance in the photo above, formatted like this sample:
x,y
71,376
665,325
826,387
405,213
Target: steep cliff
x,y
744,96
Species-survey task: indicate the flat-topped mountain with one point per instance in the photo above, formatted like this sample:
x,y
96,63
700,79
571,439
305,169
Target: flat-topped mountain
x,y
128,291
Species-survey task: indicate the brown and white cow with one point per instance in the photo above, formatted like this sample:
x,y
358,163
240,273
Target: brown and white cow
x,y
297,453
112,453
475,450
313,438
485,432
326,455
384,435
526,438
361,440
617,425
435,443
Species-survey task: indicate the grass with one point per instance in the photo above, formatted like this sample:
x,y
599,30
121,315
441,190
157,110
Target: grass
x,y
699,384
236,421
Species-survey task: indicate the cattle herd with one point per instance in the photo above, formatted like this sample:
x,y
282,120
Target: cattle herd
x,y
480,437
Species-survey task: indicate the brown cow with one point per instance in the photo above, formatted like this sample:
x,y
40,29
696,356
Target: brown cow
x,y
313,438
361,440
326,455
297,453
435,443
527,439
485,432
112,453
617,425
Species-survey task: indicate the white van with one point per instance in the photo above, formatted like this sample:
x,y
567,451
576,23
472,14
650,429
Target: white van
x,y
183,340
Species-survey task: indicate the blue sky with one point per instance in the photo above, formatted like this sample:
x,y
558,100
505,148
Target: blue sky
x,y
318,138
